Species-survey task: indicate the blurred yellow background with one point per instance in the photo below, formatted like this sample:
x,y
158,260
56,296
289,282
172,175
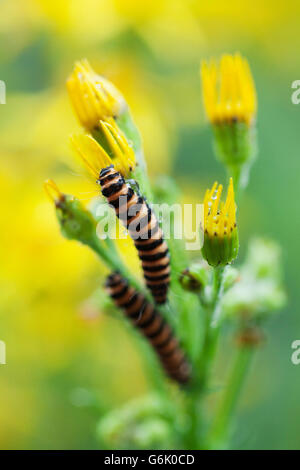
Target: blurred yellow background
x,y
60,351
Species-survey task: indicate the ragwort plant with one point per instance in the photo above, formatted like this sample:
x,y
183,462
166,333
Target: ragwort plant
x,y
178,310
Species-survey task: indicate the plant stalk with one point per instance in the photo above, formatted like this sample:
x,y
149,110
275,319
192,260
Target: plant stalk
x,y
200,385
221,427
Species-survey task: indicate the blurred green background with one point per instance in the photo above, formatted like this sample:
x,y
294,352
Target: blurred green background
x,y
62,354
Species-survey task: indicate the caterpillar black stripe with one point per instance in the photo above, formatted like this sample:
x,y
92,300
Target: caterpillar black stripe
x,y
150,322
143,228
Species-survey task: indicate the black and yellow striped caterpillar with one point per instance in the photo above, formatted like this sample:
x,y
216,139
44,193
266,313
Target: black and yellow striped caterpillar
x,y
150,322
143,227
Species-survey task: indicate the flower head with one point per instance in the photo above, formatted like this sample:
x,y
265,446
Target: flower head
x,y
76,222
93,97
113,150
220,231
228,90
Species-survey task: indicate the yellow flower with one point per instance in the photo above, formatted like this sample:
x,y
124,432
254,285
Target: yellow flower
x,y
228,90
220,229
115,150
93,97
53,192
219,218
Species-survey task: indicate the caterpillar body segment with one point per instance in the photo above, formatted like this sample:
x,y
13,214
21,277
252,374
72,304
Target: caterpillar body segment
x,y
141,222
152,325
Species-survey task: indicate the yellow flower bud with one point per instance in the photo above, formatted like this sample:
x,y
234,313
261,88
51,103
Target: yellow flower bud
x,y
230,103
220,231
228,90
93,97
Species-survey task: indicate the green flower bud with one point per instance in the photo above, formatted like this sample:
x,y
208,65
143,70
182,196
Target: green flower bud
x,y
76,223
234,142
194,279
230,102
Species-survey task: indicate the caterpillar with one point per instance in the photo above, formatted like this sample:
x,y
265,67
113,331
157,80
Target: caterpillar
x,y
152,325
143,227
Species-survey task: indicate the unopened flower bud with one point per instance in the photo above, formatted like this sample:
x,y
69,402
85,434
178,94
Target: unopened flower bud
x,y
249,337
93,97
230,102
220,230
194,279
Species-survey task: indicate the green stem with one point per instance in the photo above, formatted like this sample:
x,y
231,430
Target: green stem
x,y
108,253
217,293
212,328
180,301
200,385
127,125
207,357
111,258
235,173
139,175
221,426
240,176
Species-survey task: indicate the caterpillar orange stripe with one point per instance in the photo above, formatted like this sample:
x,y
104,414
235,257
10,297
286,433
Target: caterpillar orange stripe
x,y
143,227
150,322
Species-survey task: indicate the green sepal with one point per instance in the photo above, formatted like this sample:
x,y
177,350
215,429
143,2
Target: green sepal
x,y
235,142
132,133
127,125
219,251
